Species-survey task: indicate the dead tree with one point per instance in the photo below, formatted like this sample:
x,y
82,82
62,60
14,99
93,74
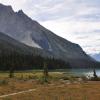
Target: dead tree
x,y
94,74
45,72
11,72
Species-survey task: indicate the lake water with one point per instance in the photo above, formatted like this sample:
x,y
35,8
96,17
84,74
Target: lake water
x,y
80,72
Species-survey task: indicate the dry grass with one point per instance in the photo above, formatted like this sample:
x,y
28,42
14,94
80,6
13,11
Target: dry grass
x,y
57,89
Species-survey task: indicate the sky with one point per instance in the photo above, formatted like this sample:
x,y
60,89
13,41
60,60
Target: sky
x,y
75,20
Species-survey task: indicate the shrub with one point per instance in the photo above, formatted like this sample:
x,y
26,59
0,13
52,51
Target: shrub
x,y
3,82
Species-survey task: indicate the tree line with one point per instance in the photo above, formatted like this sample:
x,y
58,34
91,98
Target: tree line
x,y
17,61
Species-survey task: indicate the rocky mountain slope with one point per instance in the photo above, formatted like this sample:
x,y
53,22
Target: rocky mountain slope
x,y
22,57
9,45
20,27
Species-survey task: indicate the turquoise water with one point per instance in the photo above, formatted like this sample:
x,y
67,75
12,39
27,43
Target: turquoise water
x,y
80,72
86,72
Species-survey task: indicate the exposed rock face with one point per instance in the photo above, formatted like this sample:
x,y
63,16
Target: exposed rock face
x,y
25,30
9,45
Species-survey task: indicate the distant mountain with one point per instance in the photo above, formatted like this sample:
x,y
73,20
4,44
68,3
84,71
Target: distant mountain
x,y
23,29
96,56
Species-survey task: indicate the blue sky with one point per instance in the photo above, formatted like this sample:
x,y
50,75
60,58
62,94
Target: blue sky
x,y
75,20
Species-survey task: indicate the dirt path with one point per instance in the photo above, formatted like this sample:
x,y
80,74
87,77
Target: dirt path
x,y
21,92
30,90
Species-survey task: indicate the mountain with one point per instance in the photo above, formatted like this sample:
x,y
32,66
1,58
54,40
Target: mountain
x,y
96,56
9,45
20,27
16,54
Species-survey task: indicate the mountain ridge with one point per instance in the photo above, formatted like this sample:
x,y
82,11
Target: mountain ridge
x,y
22,28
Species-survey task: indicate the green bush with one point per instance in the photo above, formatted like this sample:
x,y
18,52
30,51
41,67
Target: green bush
x,y
3,82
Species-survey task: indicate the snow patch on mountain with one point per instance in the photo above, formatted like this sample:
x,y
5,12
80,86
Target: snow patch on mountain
x,y
28,40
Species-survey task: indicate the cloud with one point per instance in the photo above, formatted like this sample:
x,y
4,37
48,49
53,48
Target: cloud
x,y
58,9
84,33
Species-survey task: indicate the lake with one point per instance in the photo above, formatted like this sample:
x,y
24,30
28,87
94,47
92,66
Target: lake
x,y
80,72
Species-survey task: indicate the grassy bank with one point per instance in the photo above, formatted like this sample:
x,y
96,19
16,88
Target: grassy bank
x,y
60,86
